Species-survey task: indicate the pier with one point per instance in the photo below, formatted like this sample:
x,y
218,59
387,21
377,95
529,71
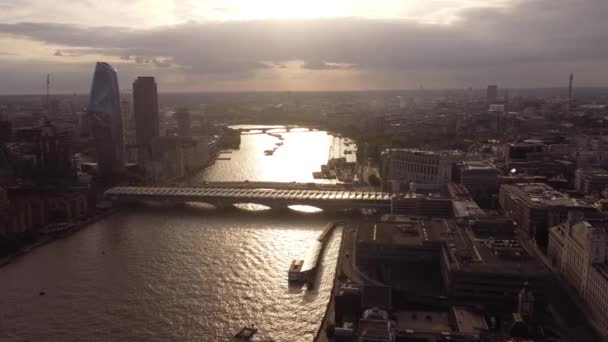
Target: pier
x,y
306,269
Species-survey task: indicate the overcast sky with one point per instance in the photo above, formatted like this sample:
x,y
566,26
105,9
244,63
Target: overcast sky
x,y
235,45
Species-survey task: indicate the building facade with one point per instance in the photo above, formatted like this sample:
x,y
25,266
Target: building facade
x,y
577,251
145,107
184,124
416,166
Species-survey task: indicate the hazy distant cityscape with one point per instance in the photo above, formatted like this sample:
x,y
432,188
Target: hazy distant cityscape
x,y
175,199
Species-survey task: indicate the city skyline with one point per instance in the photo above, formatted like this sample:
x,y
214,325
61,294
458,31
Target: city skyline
x,y
277,46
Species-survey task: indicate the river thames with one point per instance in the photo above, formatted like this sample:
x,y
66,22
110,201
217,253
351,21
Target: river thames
x,y
181,274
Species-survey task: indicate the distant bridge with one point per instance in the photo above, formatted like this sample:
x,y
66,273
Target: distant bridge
x,y
267,129
331,200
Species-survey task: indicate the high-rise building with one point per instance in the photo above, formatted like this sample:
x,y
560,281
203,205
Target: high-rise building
x,y
106,121
145,106
492,94
570,84
183,122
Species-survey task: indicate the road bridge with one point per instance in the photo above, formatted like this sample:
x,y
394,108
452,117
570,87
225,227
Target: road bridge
x,y
331,200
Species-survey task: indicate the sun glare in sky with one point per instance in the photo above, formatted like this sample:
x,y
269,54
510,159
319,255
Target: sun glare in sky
x,y
423,10
284,9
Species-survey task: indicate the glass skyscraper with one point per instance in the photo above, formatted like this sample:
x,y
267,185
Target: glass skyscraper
x,y
106,121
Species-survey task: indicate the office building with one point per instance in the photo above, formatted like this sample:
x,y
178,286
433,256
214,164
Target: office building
x,y
106,121
481,179
416,166
145,107
477,262
537,206
590,180
492,94
184,124
577,250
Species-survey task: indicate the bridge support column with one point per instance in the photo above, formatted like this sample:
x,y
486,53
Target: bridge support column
x,y
279,207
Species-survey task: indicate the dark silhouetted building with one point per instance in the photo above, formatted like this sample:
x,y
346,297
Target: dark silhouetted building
x,y
106,121
44,153
492,94
145,107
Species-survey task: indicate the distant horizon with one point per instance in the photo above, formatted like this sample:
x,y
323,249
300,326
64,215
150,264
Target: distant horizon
x,y
463,89
316,45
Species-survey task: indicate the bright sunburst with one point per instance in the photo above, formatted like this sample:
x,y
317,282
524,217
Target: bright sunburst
x,y
424,10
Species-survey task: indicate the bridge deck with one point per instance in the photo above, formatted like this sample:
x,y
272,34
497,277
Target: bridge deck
x,y
248,194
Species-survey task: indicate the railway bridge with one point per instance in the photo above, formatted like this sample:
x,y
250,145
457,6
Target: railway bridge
x,y
329,200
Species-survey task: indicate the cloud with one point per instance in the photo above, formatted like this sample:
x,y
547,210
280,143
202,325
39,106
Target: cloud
x,y
322,65
484,44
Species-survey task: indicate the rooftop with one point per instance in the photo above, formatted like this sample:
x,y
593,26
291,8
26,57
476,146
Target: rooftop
x,y
478,165
403,231
465,250
427,152
423,321
467,208
544,195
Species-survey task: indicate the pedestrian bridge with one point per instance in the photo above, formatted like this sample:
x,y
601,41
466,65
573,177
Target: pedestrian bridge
x,y
274,198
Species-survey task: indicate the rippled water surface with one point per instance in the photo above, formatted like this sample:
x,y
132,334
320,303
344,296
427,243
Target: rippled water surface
x,y
176,274
301,154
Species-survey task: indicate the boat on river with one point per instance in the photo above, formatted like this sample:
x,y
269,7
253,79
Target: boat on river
x,y
245,334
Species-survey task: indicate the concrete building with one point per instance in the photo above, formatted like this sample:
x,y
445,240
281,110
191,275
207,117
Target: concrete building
x,y
145,107
106,121
537,206
417,166
447,258
590,180
577,250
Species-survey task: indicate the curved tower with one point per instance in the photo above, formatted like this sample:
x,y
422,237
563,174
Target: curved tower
x,y
106,121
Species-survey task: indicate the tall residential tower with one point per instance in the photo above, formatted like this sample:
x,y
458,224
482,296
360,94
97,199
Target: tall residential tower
x,y
145,107
106,121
